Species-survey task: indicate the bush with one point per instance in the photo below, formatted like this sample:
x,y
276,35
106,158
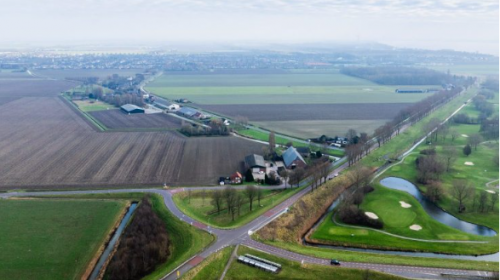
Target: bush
x,y
428,152
350,214
144,245
367,189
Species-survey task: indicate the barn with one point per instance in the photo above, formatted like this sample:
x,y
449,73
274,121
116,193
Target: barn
x,y
132,109
293,159
165,104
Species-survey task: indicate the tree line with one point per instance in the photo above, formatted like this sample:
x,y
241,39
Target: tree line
x,y
400,75
143,246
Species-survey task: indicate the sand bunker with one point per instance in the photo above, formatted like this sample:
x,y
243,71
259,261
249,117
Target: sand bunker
x,y
404,204
469,163
490,191
465,135
415,227
371,215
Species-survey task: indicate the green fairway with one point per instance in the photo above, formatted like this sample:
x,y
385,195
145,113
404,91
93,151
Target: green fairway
x,y
385,203
210,268
203,211
295,270
53,239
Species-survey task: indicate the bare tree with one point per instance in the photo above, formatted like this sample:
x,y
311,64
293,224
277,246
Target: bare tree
x,y
493,201
217,199
429,167
284,174
450,155
239,201
260,194
358,174
434,191
461,190
298,174
316,176
483,202
454,135
272,142
351,133
444,130
324,170
230,197
475,140
251,192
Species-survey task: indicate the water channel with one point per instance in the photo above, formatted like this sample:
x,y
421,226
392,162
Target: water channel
x,y
112,242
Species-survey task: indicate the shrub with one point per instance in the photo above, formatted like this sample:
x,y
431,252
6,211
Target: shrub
x,y
428,152
350,214
367,189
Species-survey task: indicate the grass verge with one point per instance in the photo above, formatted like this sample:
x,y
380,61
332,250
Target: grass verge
x,y
210,268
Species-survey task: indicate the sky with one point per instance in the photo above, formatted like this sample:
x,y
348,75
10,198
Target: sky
x,y
463,25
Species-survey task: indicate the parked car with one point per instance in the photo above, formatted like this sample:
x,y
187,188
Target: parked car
x,y
334,262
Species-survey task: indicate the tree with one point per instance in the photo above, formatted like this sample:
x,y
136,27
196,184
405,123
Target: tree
x,y
297,176
239,201
454,134
483,202
260,194
284,174
435,191
249,175
217,199
429,167
190,192
272,142
324,170
467,150
475,140
251,192
358,174
230,197
450,155
461,190
444,130
493,201
351,133
357,198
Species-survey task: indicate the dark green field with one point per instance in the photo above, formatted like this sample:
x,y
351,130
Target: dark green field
x,y
52,239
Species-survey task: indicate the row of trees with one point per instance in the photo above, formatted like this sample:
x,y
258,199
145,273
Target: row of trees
x,y
231,200
144,245
464,192
215,128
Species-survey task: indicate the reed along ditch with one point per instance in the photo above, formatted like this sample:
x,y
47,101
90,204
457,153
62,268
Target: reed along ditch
x,y
112,243
432,209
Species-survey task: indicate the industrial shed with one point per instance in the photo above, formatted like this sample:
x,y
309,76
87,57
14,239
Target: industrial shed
x,y
132,109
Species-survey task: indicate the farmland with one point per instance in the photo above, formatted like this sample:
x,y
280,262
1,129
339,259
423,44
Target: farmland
x,y
45,144
279,97
116,119
53,239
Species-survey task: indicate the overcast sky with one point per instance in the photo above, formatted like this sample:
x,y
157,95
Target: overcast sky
x,y
467,25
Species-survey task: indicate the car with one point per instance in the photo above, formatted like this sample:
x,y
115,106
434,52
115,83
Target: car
x,y
334,262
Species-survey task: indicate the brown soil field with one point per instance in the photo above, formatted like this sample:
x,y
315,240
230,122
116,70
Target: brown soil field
x,y
46,145
32,88
306,112
116,119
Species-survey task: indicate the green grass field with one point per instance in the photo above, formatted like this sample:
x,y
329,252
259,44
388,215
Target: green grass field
x,y
90,106
202,210
53,239
186,240
291,88
210,268
469,69
294,270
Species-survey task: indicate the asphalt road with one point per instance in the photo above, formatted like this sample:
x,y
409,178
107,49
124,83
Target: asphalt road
x,y
241,235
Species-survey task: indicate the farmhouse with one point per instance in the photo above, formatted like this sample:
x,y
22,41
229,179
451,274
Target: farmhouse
x,y
236,178
132,109
293,159
165,104
188,112
304,151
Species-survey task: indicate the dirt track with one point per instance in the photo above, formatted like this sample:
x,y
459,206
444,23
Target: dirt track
x,y
43,143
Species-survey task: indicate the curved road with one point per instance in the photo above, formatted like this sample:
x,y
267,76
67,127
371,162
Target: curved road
x,y
241,235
